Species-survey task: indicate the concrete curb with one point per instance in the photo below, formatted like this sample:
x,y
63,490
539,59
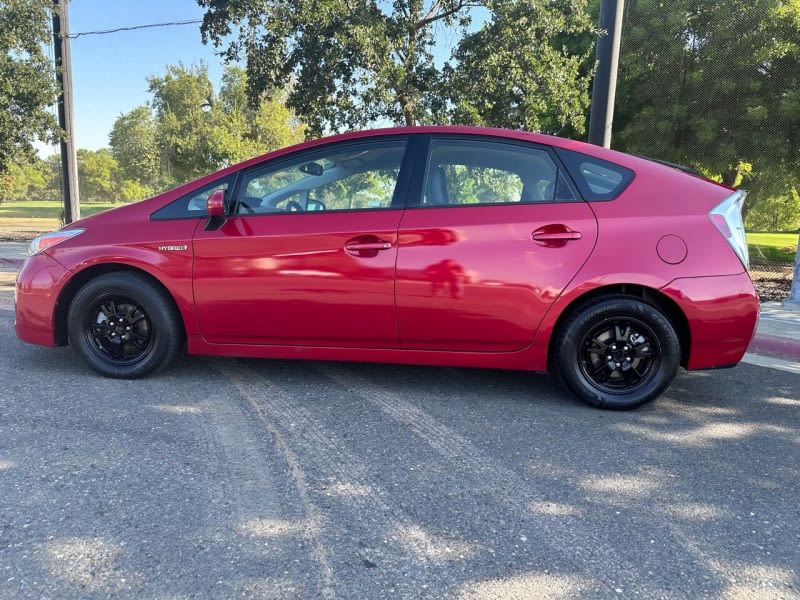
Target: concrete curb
x,y
777,346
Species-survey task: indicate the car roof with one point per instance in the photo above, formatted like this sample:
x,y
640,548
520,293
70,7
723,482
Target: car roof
x,y
636,163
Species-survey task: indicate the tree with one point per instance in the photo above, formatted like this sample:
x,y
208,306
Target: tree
x,y
714,84
27,85
188,129
98,175
540,82
182,102
347,64
133,141
268,126
28,180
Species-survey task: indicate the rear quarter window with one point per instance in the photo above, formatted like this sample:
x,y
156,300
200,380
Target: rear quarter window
x,y
597,179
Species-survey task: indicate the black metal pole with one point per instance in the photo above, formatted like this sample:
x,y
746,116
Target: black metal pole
x,y
605,80
69,159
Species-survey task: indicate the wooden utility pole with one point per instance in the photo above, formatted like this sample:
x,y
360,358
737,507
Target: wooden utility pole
x,y
604,88
69,158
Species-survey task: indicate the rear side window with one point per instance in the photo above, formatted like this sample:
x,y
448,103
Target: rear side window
x,y
596,179
472,172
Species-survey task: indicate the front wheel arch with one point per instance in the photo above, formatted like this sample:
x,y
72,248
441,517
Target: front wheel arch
x,y
80,279
125,325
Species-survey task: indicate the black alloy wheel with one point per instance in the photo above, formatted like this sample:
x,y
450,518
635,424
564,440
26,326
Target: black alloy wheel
x,y
616,352
619,354
125,325
118,330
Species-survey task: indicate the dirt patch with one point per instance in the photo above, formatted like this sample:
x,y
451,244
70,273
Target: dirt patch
x,y
773,290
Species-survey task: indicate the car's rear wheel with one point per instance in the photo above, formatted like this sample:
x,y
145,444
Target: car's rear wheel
x,y
124,325
617,352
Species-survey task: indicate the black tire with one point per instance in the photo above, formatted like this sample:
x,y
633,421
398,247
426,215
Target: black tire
x,y
617,352
124,325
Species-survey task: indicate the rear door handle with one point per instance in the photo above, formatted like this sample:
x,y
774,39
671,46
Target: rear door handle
x,y
555,236
560,235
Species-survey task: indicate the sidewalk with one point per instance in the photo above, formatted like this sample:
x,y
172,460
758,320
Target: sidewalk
x,y
12,254
778,332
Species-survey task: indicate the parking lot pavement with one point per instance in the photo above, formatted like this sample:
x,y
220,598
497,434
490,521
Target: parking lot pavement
x,y
223,478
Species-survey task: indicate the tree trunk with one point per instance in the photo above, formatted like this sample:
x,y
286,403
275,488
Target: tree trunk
x,y
730,176
408,113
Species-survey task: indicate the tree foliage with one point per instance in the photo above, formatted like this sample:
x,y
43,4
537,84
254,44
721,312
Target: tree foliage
x,y
715,84
350,63
538,82
27,180
133,141
27,85
98,175
188,129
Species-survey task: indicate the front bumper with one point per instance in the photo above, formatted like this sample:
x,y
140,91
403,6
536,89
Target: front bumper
x,y
722,313
39,283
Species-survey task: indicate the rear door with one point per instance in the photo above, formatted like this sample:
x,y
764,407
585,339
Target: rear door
x,y
308,256
490,240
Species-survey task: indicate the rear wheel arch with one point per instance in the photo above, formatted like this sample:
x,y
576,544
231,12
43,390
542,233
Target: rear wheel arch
x,y
646,294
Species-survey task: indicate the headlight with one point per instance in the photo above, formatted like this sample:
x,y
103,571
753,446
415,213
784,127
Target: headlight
x,y
46,240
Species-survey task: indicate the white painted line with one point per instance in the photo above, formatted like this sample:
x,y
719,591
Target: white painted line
x,y
772,363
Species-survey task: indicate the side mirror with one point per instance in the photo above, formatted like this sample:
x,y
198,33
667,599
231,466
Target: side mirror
x,y
215,205
215,208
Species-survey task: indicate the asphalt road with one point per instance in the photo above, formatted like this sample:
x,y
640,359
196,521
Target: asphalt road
x,y
226,478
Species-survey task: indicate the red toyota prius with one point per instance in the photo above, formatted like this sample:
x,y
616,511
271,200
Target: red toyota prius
x,y
430,245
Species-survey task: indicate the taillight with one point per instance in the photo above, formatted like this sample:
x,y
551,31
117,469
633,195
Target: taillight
x,y
727,217
46,240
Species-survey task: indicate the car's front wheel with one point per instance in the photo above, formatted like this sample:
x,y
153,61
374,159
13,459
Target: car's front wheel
x,y
617,352
124,325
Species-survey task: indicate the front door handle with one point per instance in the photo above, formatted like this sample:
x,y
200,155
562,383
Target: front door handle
x,y
366,246
359,247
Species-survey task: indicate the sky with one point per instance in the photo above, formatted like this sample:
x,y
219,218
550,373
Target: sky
x,y
110,71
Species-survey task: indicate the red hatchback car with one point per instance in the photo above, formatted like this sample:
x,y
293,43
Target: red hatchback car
x,y
430,245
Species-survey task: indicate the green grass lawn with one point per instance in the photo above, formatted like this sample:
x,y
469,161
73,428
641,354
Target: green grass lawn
x,y
25,220
46,209
772,246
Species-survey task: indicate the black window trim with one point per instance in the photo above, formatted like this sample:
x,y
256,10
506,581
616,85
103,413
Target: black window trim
x,y
230,178
398,197
593,197
424,154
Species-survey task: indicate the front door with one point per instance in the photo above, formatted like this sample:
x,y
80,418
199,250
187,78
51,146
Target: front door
x,y
308,255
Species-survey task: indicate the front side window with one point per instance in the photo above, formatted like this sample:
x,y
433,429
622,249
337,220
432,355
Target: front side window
x,y
347,176
470,172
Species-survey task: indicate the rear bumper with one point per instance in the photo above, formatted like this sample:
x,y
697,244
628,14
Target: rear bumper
x,y
39,283
722,313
